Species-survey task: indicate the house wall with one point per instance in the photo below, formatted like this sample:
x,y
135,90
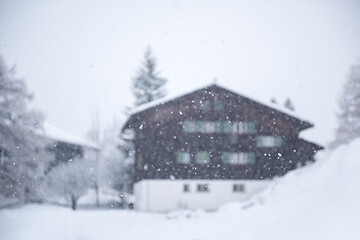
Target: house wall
x,y
168,195
156,150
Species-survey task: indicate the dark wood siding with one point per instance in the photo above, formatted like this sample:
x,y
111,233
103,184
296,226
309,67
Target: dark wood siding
x,y
157,148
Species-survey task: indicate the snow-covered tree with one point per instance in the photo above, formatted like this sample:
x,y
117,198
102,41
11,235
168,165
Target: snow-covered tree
x,y
147,85
71,180
19,143
349,117
289,105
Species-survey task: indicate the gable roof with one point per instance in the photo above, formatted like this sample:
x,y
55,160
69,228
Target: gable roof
x,y
57,134
169,99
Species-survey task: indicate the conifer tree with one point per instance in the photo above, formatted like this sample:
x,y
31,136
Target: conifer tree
x,y
273,100
289,105
147,85
349,117
19,143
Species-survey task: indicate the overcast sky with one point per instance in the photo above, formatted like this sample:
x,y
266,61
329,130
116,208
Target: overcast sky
x,y
79,56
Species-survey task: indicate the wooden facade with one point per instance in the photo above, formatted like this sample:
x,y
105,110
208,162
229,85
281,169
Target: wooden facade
x,y
214,133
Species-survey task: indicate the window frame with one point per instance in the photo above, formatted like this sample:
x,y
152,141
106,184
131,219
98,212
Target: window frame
x,y
186,187
205,106
189,126
202,154
218,106
181,154
238,158
238,188
269,141
219,127
202,187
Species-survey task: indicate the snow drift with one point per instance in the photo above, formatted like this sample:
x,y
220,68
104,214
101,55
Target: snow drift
x,y
319,201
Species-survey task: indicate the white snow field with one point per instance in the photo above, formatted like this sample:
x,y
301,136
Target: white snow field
x,y
320,201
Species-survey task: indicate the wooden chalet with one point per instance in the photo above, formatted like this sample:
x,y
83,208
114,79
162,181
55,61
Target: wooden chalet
x,y
209,137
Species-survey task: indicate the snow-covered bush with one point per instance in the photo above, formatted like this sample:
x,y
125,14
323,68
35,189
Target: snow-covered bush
x,y
71,181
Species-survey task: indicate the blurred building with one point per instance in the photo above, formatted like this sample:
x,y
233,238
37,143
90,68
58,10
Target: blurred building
x,y
66,146
211,146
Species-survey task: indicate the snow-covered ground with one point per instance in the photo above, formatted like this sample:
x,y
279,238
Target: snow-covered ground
x,y
320,201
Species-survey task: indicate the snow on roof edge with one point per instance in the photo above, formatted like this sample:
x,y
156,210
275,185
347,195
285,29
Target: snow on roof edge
x,y
278,108
163,100
52,132
168,98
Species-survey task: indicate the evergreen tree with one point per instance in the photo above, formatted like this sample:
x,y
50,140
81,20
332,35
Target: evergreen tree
x,y
273,100
147,85
349,118
20,146
289,105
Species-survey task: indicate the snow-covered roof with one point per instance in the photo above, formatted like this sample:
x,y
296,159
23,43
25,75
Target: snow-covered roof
x,y
163,100
62,135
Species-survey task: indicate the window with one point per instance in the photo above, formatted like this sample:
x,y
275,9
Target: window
x,y
182,158
245,127
205,106
238,158
251,127
218,106
234,127
209,127
227,128
208,106
219,127
189,126
202,157
200,126
139,161
238,188
186,187
246,158
269,141
202,188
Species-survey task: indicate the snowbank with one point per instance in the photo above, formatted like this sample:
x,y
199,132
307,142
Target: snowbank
x,y
320,201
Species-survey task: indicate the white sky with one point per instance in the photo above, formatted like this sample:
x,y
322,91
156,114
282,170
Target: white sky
x,y
77,56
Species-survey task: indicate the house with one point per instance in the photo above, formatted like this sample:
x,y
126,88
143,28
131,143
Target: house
x,y
211,146
66,146
53,147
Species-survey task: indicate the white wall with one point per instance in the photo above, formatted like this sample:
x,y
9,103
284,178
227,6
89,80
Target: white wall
x,y
168,195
